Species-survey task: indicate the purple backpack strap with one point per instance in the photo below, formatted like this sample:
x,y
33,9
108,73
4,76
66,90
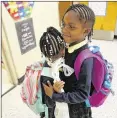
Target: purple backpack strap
x,y
98,66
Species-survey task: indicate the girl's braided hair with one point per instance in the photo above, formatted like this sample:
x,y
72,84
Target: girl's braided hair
x,y
51,42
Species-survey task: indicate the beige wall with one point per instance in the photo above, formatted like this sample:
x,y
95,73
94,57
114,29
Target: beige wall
x,y
44,14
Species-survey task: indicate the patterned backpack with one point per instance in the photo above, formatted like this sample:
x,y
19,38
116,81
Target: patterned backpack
x,y
31,92
101,77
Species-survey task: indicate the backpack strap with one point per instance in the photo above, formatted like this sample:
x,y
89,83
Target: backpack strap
x,y
47,72
98,66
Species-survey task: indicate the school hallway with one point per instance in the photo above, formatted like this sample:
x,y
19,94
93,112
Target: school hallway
x,y
13,107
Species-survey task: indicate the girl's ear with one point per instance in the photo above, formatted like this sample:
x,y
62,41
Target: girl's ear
x,y
87,31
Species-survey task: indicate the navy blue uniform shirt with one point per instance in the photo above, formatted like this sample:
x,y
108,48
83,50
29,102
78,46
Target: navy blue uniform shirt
x,y
76,91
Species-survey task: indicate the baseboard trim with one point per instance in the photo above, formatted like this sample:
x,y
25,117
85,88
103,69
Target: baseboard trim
x,y
8,90
103,35
115,36
20,80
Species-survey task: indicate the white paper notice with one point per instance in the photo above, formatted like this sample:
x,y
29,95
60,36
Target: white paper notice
x,y
99,8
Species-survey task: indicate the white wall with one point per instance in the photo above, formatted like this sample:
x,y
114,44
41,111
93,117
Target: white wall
x,y
44,14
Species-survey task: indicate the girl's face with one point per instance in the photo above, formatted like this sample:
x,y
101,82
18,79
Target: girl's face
x,y
72,28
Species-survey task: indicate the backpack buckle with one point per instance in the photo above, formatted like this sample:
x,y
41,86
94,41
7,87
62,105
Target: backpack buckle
x,y
94,49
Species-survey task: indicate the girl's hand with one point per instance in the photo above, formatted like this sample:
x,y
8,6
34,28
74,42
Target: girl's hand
x,y
58,85
48,89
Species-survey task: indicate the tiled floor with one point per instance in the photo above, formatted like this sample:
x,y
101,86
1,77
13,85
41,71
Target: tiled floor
x,y
13,107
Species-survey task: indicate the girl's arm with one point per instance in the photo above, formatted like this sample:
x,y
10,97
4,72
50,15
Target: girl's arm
x,y
83,87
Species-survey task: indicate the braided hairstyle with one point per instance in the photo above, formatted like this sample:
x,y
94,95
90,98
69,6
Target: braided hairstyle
x,y
51,42
85,14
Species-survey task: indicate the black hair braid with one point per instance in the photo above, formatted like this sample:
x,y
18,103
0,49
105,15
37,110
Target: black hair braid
x,y
41,43
54,32
51,42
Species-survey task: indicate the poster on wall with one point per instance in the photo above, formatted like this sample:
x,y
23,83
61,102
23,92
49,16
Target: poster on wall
x,y
26,36
99,8
19,9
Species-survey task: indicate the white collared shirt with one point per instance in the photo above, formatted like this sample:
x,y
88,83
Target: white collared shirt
x,y
77,46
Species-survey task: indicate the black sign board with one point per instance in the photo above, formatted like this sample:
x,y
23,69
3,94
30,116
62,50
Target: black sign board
x,y
26,36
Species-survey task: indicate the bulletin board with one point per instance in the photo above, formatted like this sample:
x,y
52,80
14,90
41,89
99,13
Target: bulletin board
x,y
19,9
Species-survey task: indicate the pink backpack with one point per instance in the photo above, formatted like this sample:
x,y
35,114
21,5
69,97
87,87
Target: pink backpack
x,y
31,92
101,77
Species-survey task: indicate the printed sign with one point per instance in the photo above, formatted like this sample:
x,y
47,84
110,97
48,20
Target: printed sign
x,y
26,36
